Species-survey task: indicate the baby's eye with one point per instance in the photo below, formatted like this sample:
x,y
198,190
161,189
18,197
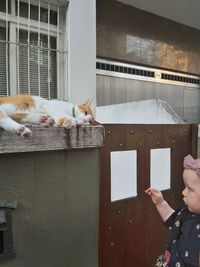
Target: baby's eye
x,y
190,189
86,113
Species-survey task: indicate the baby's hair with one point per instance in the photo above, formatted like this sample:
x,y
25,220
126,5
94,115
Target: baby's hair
x,y
192,164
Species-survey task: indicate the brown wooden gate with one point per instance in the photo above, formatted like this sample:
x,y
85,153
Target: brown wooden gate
x,y
131,233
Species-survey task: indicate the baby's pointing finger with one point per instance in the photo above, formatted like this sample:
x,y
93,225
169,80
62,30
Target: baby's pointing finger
x,y
148,191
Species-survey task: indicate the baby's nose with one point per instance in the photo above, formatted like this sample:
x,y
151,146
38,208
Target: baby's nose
x,y
183,192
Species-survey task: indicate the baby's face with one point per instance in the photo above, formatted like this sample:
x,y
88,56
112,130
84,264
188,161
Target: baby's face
x,y
191,193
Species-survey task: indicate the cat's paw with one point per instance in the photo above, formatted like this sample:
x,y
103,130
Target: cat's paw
x,y
23,131
69,123
46,120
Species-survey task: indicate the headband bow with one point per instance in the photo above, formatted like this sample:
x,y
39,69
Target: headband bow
x,y
190,163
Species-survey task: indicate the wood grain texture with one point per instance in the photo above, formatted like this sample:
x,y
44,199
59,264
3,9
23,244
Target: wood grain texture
x,y
52,138
131,232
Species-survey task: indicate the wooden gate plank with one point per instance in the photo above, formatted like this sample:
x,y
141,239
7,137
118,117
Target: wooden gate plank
x,y
131,232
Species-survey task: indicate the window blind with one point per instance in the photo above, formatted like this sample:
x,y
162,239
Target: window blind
x,y
37,65
3,6
3,69
33,47
23,12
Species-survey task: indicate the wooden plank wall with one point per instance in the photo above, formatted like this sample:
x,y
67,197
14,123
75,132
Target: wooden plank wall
x,y
52,138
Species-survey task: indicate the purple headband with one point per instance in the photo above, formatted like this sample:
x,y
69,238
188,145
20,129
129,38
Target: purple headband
x,y
191,163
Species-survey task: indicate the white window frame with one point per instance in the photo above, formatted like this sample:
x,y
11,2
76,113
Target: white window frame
x,y
17,23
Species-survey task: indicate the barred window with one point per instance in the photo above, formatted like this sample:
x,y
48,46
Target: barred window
x,y
33,47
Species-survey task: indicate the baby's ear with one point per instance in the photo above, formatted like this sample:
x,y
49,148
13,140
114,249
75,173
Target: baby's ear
x,y
88,102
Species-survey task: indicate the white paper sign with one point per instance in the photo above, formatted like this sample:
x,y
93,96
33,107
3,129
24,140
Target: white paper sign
x,y
160,176
123,174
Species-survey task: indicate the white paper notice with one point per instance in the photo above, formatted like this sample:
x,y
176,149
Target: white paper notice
x,y
123,174
160,168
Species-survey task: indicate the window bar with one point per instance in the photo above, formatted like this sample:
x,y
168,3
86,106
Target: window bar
x,y
29,15
58,47
7,81
39,47
49,92
18,81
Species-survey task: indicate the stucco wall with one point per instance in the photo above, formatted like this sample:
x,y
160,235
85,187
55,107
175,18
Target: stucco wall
x,y
129,34
56,221
82,50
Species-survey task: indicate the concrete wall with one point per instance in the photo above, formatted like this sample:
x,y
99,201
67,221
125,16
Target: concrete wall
x,y
82,50
184,100
56,221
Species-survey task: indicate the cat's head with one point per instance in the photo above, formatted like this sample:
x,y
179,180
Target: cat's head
x,y
85,114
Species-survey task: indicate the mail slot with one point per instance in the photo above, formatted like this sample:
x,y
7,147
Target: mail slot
x,y
6,231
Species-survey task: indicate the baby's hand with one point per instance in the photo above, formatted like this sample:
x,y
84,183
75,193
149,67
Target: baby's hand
x,y
155,195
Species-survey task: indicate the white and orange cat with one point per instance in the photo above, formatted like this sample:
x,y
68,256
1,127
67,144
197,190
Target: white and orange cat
x,y
18,109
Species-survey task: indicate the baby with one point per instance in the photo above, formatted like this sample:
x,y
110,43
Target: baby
x,y
184,248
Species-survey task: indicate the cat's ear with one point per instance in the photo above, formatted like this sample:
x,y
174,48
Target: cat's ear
x,y
88,102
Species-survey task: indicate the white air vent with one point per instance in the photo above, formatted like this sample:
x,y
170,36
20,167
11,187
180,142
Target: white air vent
x,y
129,71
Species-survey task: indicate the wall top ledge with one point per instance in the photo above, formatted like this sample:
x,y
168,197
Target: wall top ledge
x,y
52,138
